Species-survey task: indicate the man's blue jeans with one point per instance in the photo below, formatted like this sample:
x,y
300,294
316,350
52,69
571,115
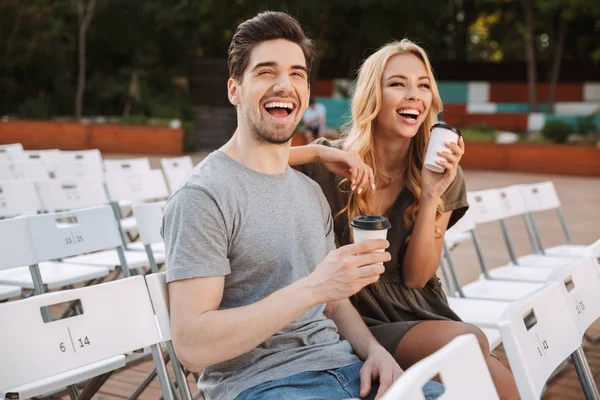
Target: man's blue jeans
x,y
334,384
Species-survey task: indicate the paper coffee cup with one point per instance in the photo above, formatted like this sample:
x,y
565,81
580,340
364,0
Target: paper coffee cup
x,y
365,227
440,134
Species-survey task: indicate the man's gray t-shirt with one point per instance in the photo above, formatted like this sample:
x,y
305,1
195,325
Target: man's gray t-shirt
x,y
262,232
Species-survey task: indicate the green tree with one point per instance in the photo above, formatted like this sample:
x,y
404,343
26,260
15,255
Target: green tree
x,y
564,12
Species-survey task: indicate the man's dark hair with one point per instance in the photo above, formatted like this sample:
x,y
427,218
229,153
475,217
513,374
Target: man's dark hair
x,y
268,25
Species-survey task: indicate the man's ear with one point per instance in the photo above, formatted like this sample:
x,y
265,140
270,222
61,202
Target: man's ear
x,y
232,91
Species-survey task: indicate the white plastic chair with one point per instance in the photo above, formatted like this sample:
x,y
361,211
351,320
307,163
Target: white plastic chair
x,y
70,194
580,285
462,370
176,170
49,158
12,152
488,288
149,219
482,313
18,198
98,230
23,169
538,334
40,357
504,203
39,239
513,204
466,226
16,250
157,287
127,166
77,164
543,197
136,188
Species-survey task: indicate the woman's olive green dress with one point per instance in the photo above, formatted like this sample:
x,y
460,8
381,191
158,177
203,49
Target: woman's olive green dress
x,y
389,308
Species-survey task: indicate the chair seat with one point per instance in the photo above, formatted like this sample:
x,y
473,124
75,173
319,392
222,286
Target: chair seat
x,y
454,238
483,313
55,275
521,274
539,260
499,290
110,259
7,291
64,379
139,246
493,336
128,224
571,250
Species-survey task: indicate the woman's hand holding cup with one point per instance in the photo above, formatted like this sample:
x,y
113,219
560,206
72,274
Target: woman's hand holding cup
x,y
444,151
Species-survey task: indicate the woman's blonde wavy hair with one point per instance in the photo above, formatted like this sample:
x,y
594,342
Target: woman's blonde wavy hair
x,y
360,132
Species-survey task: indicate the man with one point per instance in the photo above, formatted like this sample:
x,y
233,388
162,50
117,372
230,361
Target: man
x,y
314,120
256,286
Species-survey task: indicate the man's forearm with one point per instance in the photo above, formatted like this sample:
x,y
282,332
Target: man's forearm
x,y
351,326
221,335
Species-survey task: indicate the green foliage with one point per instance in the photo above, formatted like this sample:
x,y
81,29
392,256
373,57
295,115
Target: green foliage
x,y
483,128
134,120
35,108
473,133
557,131
156,39
586,126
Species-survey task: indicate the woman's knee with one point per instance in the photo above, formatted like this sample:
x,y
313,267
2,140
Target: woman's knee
x,y
482,339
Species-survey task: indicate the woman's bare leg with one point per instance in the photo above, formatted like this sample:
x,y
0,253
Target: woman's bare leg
x,y
427,337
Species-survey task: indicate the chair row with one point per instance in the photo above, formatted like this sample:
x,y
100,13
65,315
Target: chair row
x,y
539,332
56,250
16,163
483,301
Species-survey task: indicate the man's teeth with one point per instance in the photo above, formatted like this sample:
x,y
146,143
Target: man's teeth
x,y
275,104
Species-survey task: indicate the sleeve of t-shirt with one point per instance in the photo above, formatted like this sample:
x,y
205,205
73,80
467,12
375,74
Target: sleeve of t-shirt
x,y
455,198
195,236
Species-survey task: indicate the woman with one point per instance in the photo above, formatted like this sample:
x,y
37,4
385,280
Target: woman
x,y
395,104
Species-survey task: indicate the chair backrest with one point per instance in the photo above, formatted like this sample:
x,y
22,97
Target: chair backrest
x,y
128,166
71,233
176,170
462,370
464,225
137,187
18,198
16,245
117,318
540,196
149,219
49,158
538,334
485,206
12,152
24,169
580,284
70,194
159,294
77,164
511,200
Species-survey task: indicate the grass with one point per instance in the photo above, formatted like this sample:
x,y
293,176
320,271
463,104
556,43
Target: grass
x,y
477,135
